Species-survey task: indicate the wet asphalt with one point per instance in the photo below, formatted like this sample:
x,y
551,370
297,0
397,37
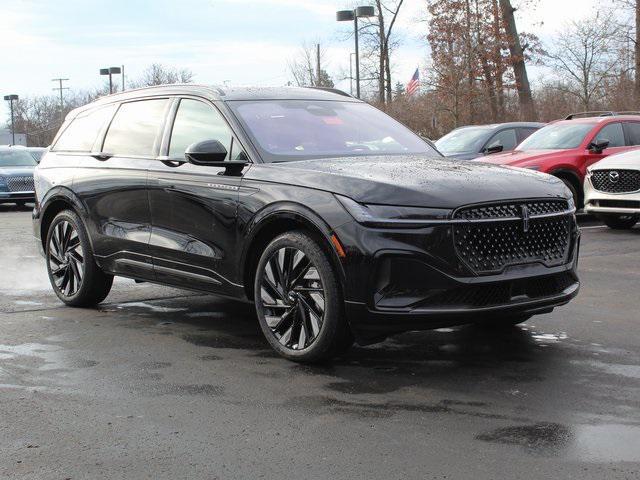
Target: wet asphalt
x,y
161,383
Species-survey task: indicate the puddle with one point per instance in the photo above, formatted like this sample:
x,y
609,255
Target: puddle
x,y
623,370
549,337
606,443
148,306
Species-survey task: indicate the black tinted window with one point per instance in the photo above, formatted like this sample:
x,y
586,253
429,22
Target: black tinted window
x,y
83,131
136,128
633,129
613,133
197,121
523,133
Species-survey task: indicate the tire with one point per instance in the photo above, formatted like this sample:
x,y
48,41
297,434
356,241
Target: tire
x,y
620,222
577,196
299,301
502,323
73,273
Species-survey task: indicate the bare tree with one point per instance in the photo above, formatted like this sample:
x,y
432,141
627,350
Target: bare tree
x,y
158,74
584,57
304,67
631,23
518,61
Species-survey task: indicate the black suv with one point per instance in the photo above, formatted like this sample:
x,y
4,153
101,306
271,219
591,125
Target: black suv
x,y
337,221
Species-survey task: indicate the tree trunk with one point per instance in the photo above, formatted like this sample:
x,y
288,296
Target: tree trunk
x,y
381,53
470,65
637,55
497,33
517,59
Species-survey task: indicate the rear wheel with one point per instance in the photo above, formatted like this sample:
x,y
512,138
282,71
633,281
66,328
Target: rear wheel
x,y
298,300
73,273
620,222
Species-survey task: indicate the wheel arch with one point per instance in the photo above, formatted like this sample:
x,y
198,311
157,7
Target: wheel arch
x,y
574,178
276,220
56,201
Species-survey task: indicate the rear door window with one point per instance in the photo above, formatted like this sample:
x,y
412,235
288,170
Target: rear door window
x,y
136,128
506,138
633,132
612,133
523,133
83,131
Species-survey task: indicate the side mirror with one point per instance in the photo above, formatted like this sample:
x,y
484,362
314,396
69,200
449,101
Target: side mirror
x,y
212,153
598,146
495,148
207,152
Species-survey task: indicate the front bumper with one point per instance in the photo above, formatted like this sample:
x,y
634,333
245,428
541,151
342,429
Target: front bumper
x,y
433,290
597,202
10,197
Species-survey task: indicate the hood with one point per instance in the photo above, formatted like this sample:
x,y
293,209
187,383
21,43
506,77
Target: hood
x,y
412,180
16,171
463,155
519,158
630,159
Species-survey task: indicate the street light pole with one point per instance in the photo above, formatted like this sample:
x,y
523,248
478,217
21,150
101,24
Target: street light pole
x,y
351,73
10,99
348,15
110,71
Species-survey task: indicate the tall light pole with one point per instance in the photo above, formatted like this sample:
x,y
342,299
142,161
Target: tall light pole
x,y
10,99
110,71
351,72
353,15
61,88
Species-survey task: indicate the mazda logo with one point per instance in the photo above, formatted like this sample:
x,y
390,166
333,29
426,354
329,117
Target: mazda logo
x,y
614,176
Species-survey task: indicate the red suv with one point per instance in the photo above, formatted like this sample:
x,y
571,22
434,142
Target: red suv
x,y
567,147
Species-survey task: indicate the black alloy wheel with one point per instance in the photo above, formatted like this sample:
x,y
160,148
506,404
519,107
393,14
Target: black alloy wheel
x,y
299,300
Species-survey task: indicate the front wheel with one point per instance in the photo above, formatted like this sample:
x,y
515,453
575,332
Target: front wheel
x,y
620,222
73,273
299,301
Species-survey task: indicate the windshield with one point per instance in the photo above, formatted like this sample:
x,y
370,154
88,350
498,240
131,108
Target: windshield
x,y
462,140
286,130
559,136
16,158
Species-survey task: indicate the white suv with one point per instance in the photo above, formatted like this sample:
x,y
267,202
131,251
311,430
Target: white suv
x,y
612,190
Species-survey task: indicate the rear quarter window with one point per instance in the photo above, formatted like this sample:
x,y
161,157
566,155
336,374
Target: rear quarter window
x,y
83,131
633,132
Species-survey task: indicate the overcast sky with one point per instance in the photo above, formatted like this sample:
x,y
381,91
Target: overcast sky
x,y
237,41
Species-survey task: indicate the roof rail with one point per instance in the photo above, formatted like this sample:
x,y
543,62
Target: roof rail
x,y
332,90
597,113
601,114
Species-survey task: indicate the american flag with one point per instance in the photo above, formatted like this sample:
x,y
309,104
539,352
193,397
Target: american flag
x,y
414,83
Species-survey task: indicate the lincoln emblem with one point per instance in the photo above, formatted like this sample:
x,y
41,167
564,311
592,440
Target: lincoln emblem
x,y
525,218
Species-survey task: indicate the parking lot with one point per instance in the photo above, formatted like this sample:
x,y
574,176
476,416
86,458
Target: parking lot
x,y
161,383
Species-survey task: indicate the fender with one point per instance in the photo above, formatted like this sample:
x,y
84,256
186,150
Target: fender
x,y
291,211
53,195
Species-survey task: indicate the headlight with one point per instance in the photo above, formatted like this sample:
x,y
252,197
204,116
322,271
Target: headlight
x,y
572,203
3,183
392,216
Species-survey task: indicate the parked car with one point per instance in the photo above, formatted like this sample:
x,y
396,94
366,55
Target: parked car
x,y
467,143
566,148
333,218
612,190
16,176
37,152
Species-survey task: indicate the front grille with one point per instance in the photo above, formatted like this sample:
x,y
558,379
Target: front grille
x,y
502,293
20,184
618,203
507,210
500,235
616,181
